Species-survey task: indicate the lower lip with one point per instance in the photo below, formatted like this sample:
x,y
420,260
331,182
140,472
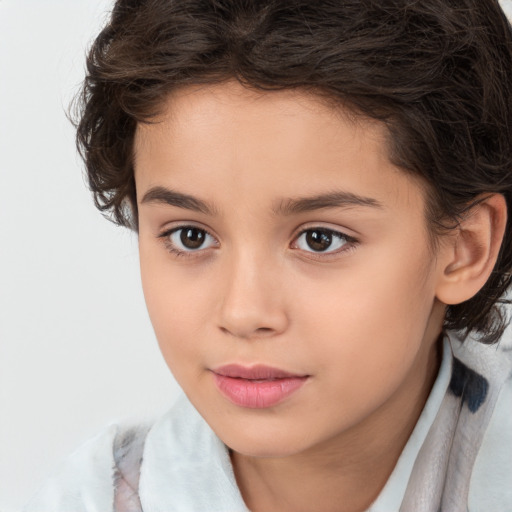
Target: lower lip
x,y
257,394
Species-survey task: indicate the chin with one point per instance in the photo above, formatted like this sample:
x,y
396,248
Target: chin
x,y
264,444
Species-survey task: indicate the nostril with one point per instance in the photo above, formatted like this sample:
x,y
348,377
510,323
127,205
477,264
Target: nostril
x,y
264,330
259,332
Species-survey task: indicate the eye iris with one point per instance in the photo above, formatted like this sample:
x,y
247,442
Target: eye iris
x,y
319,240
192,238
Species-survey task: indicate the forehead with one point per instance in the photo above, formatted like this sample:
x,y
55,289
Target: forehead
x,y
233,142
291,113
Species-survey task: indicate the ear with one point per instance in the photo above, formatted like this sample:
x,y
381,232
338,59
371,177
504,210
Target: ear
x,y
467,257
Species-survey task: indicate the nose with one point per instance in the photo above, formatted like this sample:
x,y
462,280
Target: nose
x,y
252,300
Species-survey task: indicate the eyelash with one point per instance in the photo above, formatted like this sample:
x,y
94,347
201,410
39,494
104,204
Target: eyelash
x,y
349,241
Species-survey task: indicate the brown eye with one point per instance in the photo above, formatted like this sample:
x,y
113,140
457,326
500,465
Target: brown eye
x,y
322,240
188,239
192,238
319,240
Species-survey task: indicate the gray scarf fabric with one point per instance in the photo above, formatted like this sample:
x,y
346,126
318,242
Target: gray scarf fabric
x,y
128,449
442,472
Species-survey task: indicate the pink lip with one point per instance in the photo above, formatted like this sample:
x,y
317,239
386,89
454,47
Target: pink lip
x,y
256,387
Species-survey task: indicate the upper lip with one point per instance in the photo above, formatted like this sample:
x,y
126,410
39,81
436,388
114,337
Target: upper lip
x,y
257,372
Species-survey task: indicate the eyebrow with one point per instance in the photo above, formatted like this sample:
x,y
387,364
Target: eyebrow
x,y
338,199
170,197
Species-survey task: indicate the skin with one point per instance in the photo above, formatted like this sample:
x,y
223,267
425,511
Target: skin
x,y
361,319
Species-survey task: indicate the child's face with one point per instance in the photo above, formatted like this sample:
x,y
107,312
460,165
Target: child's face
x,y
304,250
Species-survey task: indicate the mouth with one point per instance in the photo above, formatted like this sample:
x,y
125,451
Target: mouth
x,y
256,387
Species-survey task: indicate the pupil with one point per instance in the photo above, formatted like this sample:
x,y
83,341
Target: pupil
x,y
192,238
319,240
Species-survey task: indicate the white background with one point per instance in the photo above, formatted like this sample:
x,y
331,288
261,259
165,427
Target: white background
x,y
76,347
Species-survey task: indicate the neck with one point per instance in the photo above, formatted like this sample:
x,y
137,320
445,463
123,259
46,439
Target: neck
x,y
362,458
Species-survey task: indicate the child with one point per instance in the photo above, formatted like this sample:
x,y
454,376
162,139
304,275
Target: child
x,y
320,191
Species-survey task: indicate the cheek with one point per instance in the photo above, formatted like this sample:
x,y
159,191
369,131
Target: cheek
x,y
370,318
177,303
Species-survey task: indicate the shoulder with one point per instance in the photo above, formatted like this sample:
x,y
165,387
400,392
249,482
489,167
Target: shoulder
x,y
178,461
84,482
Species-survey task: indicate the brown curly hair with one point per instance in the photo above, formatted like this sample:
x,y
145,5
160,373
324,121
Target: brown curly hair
x,y
437,73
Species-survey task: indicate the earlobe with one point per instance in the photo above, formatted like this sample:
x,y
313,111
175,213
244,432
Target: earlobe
x,y
469,255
